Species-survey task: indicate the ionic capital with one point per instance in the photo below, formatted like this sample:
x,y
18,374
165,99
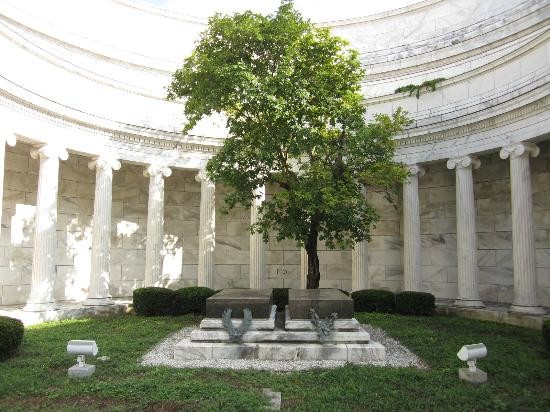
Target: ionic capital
x,y
202,176
519,149
48,151
415,169
463,162
157,169
104,162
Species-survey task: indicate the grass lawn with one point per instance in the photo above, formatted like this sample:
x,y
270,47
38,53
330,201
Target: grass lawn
x,y
517,366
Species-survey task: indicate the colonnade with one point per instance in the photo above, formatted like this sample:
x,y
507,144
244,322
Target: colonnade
x,y
523,238
43,269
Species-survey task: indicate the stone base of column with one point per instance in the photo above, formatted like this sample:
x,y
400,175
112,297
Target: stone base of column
x,y
98,302
527,310
41,307
466,303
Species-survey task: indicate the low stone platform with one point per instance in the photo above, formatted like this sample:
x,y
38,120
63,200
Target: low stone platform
x,y
366,352
323,301
259,301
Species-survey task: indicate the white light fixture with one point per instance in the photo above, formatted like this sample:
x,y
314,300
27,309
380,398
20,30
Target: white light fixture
x,y
470,354
81,348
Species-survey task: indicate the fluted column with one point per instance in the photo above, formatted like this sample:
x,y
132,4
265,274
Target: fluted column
x,y
303,268
523,235
466,235
98,291
256,243
412,258
43,260
207,230
155,223
359,264
3,140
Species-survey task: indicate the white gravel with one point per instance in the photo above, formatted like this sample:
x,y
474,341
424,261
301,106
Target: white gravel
x,y
397,356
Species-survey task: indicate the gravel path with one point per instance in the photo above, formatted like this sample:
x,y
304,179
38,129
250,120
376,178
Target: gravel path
x,y
162,354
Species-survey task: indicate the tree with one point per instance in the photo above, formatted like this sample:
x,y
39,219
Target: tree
x,y
291,95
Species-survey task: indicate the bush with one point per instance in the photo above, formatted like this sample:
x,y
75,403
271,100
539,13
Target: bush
x,y
280,298
11,335
192,300
373,300
546,334
415,303
154,301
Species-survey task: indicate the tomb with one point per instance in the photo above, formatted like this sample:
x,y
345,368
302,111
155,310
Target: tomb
x,y
299,338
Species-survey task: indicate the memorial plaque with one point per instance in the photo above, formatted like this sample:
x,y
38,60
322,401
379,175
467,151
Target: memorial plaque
x,y
324,301
259,301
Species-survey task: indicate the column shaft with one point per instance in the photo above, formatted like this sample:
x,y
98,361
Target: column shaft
x,y
43,262
257,245
207,231
155,224
466,235
3,141
98,291
523,236
412,257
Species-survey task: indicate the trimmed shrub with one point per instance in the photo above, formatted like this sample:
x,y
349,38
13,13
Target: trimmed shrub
x,y
154,301
373,300
11,336
280,298
415,303
546,334
192,300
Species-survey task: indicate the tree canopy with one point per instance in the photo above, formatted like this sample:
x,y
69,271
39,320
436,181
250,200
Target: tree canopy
x,y
291,93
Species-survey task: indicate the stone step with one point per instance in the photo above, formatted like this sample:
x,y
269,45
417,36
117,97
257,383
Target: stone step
x,y
304,324
257,324
366,352
202,335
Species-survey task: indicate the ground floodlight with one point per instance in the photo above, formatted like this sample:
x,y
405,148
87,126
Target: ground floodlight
x,y
469,354
82,348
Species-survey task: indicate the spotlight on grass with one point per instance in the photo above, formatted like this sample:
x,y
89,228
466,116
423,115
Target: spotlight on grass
x,y
470,354
81,348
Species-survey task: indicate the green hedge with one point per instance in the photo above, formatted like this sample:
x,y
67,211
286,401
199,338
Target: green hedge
x,y
192,300
415,303
280,298
154,301
373,300
546,334
11,336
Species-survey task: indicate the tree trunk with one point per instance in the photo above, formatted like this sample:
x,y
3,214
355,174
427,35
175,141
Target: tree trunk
x,y
313,273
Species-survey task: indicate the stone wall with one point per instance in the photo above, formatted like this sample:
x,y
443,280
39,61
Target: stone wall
x,y
182,199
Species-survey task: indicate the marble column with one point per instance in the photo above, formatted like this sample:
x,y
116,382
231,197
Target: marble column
x,y
359,264
303,268
43,260
523,235
98,291
3,140
257,244
155,223
466,235
412,250
207,230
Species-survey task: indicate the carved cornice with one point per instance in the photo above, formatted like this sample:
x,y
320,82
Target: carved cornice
x,y
166,140
463,162
531,109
